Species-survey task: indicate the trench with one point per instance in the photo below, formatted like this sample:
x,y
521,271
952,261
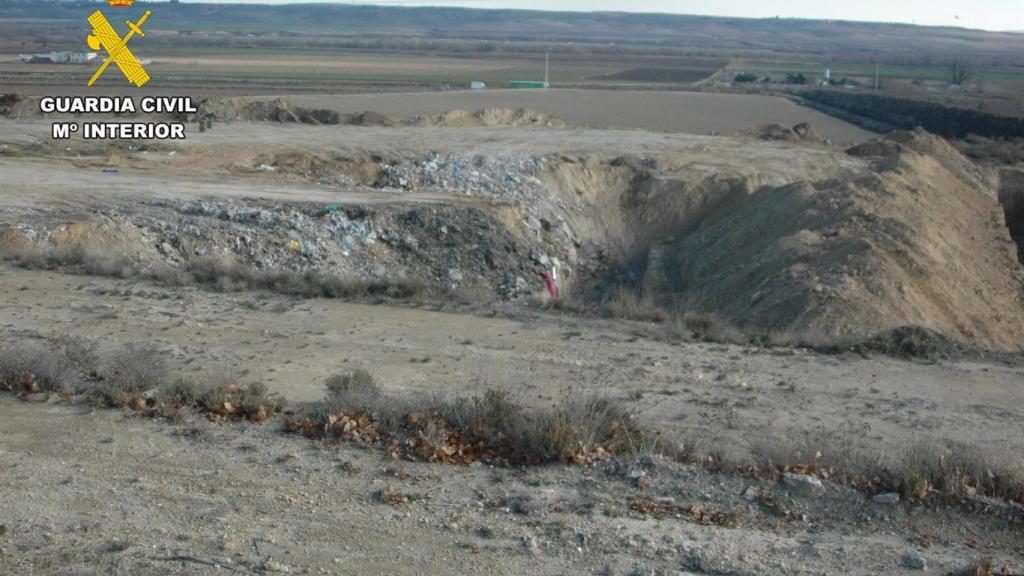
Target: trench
x,y
633,213
1011,196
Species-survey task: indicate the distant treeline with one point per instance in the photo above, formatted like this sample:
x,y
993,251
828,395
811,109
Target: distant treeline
x,y
946,121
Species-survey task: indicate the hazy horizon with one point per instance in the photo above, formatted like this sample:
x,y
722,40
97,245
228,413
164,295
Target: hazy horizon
x,y
993,15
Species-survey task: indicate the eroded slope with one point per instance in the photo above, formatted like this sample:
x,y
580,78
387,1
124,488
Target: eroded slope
x,y
918,240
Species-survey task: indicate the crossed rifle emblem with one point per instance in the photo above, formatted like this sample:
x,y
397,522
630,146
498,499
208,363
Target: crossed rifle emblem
x,y
103,35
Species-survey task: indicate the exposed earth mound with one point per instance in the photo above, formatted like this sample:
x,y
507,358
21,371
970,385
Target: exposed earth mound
x,y
490,117
805,132
284,111
919,240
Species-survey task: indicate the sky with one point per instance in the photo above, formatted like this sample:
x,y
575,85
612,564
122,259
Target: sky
x,y
983,14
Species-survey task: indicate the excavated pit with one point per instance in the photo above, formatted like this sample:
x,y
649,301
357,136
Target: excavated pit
x,y
896,232
916,239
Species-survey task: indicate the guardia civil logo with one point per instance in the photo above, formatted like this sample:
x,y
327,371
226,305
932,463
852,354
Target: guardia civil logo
x,y
104,36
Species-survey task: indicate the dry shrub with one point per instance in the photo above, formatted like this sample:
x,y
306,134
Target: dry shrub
x,y
131,371
493,426
705,327
222,274
180,392
577,428
76,259
924,470
228,275
952,469
60,366
985,569
221,401
626,303
357,383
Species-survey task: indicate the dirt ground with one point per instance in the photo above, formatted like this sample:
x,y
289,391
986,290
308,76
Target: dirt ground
x,y
688,112
95,491
729,396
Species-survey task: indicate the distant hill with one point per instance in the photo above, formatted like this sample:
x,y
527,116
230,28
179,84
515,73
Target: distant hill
x,y
667,30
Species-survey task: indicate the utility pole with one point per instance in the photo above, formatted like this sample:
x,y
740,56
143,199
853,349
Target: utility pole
x,y
547,64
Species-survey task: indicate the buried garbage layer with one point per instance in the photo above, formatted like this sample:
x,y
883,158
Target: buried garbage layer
x,y
908,233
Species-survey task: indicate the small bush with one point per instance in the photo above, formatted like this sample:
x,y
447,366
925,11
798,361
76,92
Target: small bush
x,y
256,401
358,382
58,367
137,368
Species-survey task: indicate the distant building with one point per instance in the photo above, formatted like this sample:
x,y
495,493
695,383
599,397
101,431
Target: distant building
x,y
527,85
58,57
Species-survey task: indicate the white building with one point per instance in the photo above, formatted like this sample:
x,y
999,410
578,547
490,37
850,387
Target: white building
x,y
59,57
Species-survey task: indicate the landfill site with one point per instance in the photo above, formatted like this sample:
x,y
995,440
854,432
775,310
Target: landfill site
x,y
508,333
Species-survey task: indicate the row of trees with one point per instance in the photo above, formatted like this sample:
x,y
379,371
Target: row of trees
x,y
904,113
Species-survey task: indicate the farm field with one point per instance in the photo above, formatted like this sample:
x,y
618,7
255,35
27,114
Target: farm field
x,y
252,71
690,112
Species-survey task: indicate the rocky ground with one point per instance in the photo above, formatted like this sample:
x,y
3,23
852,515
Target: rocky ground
x,y
477,213
98,492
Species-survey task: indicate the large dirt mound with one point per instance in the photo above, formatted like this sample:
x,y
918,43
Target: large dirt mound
x,y
920,240
490,117
282,110
279,110
805,132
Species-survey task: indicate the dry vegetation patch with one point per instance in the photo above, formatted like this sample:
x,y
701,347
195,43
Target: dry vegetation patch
x,y
496,426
